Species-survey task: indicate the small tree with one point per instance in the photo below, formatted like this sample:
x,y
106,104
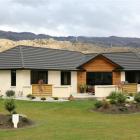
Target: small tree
x,y
10,105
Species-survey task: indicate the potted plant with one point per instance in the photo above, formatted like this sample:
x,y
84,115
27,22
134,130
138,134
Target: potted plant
x,y
83,88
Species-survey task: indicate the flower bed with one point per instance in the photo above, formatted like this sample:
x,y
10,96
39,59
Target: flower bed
x,y
118,103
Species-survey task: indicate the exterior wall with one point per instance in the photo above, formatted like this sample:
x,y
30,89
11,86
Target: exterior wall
x,y
23,85
61,91
138,88
5,81
122,76
99,64
54,78
104,91
73,82
22,82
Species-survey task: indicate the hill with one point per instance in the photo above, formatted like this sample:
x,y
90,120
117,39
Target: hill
x,y
81,43
105,41
66,45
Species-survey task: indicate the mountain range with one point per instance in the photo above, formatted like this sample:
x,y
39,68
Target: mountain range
x,y
81,43
103,41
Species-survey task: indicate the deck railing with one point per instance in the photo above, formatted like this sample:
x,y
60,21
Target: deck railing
x,y
130,88
41,90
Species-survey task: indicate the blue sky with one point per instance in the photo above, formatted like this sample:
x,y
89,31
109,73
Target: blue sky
x,y
72,17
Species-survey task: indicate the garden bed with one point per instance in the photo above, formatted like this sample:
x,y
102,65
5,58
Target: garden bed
x,y
6,122
119,109
118,103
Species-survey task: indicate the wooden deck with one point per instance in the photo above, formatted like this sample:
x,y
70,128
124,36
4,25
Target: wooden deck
x,y
130,88
42,90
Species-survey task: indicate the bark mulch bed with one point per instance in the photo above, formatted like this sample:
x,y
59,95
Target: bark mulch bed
x,y
120,109
6,122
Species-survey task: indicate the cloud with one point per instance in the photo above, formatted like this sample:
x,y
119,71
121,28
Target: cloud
x,y
72,17
31,3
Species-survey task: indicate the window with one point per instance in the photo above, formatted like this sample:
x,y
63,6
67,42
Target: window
x,y
65,78
13,77
99,78
132,76
36,76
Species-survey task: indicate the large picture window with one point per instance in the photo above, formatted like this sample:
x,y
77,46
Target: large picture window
x,y
132,76
65,78
99,78
13,77
37,76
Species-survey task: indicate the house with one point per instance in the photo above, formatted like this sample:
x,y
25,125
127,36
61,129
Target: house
x,y
52,72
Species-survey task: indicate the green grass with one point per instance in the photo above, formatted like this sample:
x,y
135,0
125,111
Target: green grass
x,y
72,121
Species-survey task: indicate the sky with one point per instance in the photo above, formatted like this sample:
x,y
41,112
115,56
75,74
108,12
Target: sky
x,y
72,17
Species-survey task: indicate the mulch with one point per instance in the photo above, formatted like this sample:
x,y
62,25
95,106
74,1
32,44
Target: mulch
x,y
120,109
6,122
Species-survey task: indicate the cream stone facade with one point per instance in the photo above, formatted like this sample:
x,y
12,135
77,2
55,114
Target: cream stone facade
x,y
104,90
54,78
5,81
24,87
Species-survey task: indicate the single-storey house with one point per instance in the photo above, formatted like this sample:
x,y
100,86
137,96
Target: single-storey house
x,y
59,73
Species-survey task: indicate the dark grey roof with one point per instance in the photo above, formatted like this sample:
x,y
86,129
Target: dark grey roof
x,y
40,58
127,60
10,59
44,58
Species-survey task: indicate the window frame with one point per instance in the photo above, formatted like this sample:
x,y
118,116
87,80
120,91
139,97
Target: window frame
x,y
35,76
65,78
13,77
100,75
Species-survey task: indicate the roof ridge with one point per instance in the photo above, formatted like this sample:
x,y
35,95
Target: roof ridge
x,y
117,52
21,54
48,48
110,52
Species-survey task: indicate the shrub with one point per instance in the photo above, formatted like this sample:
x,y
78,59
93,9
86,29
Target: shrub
x,y
43,98
29,95
137,97
55,98
10,93
121,98
10,105
113,95
32,97
98,104
113,101
117,97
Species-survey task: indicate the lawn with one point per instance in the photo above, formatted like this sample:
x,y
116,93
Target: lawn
x,y
72,121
